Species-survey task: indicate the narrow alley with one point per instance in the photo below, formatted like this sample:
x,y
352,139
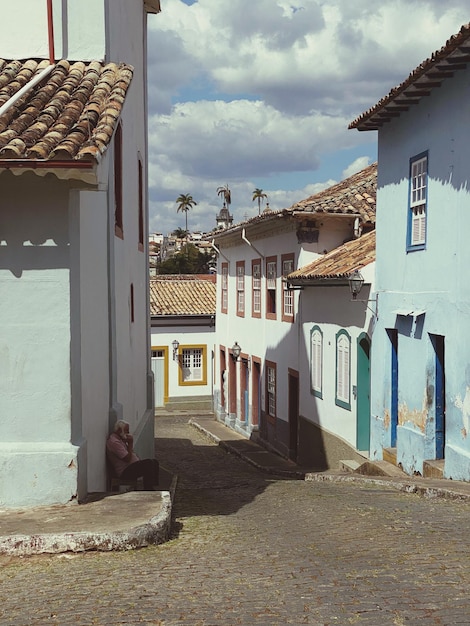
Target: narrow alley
x,y
249,548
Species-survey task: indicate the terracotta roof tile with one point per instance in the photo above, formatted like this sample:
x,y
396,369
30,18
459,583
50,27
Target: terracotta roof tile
x,y
71,115
453,56
340,262
354,195
182,295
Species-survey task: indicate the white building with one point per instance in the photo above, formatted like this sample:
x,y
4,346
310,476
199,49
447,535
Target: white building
x,y
182,309
74,340
263,336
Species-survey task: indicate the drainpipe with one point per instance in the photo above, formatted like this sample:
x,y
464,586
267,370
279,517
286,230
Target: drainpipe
x,y
218,251
250,244
357,228
19,94
37,79
50,32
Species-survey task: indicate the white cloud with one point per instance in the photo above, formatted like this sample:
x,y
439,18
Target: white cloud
x,y
241,90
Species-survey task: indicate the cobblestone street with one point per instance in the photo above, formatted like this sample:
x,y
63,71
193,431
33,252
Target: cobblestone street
x,y
248,548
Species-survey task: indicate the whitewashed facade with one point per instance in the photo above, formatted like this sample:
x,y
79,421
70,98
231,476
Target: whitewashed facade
x,y
74,339
265,392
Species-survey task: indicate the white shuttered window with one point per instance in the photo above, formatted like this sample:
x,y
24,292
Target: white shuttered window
x,y
316,361
418,198
343,369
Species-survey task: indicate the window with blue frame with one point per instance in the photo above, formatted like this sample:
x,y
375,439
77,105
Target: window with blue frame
x,y
418,202
343,370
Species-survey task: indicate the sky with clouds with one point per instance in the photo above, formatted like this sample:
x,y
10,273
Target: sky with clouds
x,y
259,94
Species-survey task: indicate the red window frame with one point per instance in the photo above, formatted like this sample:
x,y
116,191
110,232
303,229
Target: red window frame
x,y
224,288
240,286
271,293
271,394
255,287
287,294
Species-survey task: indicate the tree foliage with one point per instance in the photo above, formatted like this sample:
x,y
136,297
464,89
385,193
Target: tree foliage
x,y
189,260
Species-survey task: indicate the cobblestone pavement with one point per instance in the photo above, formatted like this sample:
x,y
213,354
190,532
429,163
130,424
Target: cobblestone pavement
x,y
251,549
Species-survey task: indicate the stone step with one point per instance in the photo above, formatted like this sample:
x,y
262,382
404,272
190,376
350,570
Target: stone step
x,y
433,468
349,465
390,455
380,468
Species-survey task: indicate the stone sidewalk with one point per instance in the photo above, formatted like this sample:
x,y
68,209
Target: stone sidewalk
x,y
136,519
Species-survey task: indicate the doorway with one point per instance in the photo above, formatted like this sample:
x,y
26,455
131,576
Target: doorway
x,y
363,394
160,383
439,394
293,390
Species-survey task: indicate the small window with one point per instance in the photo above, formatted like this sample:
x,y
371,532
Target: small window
x,y
316,361
118,210
287,261
418,202
271,280
241,288
193,365
224,303
256,288
132,303
343,369
271,390
141,205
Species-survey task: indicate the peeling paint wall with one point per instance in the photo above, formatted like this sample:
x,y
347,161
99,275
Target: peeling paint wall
x,y
432,282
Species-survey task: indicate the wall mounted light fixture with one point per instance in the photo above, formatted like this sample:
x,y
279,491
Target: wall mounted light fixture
x,y
356,282
236,350
175,344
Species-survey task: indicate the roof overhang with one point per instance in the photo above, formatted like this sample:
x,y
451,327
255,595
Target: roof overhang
x,y
85,171
152,6
160,321
319,281
429,75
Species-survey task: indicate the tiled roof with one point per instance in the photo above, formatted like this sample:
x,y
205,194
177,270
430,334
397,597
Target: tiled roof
x,y
71,115
182,295
454,56
340,262
354,195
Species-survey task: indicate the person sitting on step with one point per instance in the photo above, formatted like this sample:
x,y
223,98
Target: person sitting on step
x,y
124,461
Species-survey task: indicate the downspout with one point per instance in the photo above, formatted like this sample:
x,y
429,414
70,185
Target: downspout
x,y
250,244
37,79
357,228
218,251
50,32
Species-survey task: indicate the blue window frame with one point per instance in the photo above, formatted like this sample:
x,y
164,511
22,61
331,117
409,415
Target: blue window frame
x,y
343,370
418,194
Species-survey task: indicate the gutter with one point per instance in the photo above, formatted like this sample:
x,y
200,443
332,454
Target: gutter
x,y
34,164
250,244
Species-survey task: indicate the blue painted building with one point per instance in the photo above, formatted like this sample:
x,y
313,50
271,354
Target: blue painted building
x,y
420,379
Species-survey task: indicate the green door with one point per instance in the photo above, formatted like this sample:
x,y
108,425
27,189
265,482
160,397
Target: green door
x,y
363,393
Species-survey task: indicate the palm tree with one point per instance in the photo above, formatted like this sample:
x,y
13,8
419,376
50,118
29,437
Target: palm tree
x,y
258,194
185,202
226,193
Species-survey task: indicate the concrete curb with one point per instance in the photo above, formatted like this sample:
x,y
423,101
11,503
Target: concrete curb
x,y
427,491
225,445
155,531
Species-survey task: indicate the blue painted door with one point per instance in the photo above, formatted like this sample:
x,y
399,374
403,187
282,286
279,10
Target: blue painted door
x,y
393,336
438,345
363,394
